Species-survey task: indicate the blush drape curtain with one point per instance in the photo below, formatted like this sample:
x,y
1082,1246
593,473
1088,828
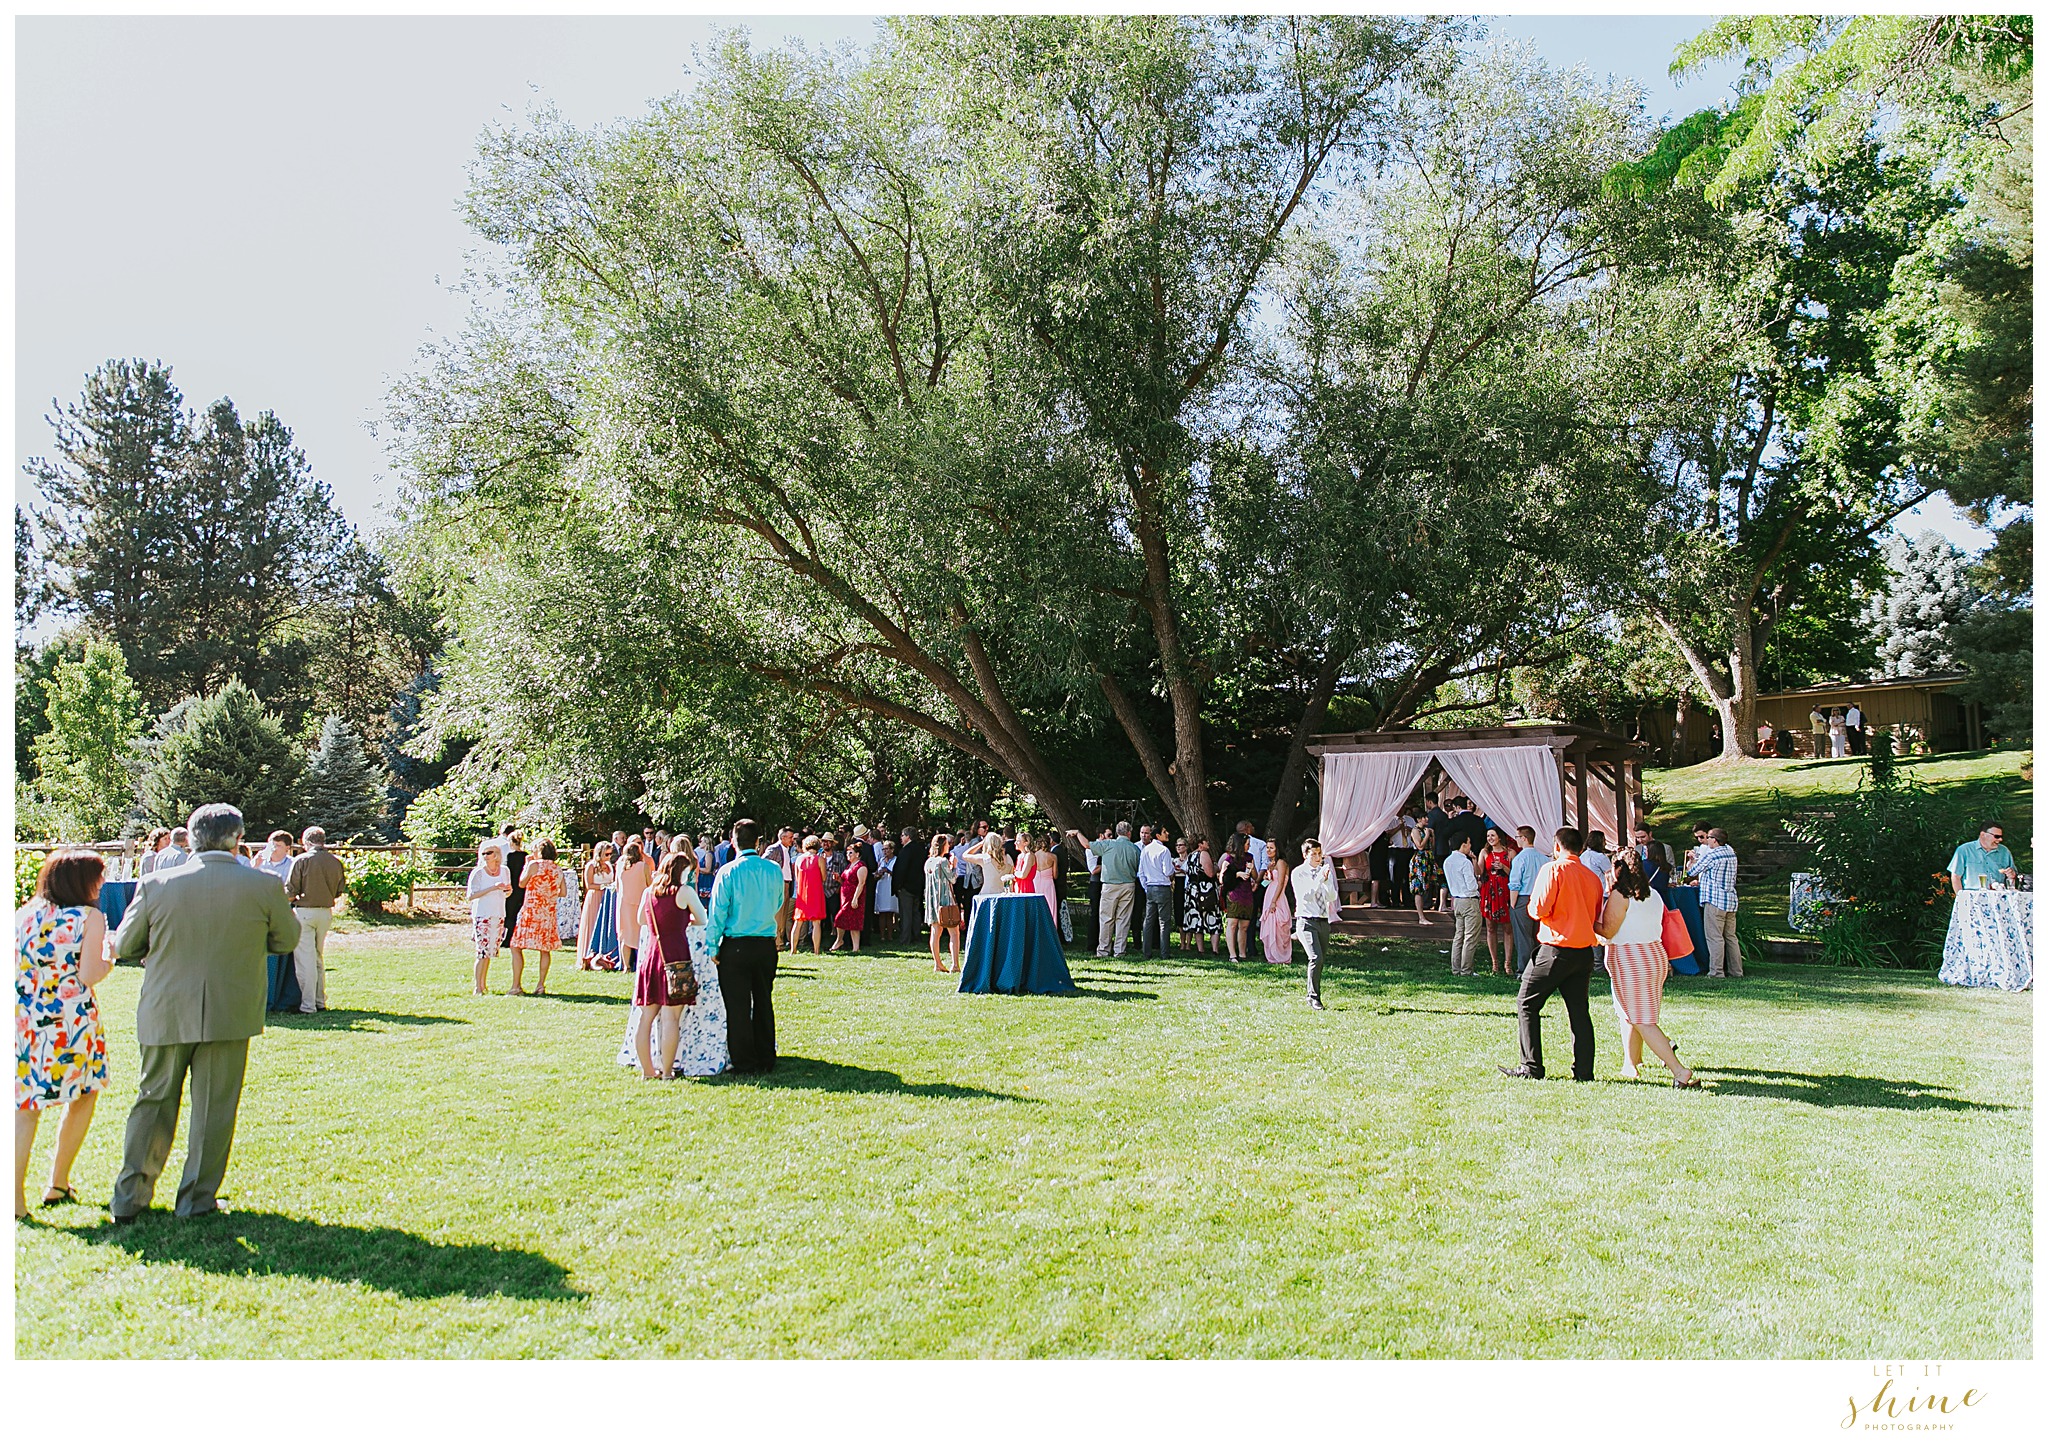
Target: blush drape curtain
x,y
1513,786
1363,793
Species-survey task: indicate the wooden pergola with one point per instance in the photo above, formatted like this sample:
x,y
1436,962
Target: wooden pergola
x,y
1586,758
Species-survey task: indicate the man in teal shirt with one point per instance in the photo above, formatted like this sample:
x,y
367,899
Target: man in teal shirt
x,y
739,938
1979,864
1119,860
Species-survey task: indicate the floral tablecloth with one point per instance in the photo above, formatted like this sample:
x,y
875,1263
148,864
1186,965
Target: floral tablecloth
x,y
1990,940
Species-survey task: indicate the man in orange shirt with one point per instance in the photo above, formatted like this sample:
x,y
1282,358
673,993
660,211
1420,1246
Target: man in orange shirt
x,y
1565,904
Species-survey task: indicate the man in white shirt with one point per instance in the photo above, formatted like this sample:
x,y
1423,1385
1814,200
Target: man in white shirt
x,y
1315,904
1855,722
1462,880
1155,876
783,853
1521,884
1255,843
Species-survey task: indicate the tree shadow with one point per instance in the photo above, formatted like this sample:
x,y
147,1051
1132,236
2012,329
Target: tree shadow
x,y
1111,995
793,1071
348,1020
253,1244
556,996
1834,1091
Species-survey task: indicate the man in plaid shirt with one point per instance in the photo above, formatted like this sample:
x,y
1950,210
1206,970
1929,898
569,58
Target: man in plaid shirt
x,y
1713,868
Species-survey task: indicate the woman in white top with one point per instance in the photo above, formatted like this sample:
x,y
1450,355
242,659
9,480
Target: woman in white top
x,y
1632,922
490,884
993,859
1838,734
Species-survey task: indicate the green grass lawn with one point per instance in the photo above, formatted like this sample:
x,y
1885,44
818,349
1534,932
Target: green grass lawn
x,y
1183,1160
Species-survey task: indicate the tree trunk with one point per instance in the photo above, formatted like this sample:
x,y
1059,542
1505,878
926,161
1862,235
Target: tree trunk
x,y
1287,796
1738,708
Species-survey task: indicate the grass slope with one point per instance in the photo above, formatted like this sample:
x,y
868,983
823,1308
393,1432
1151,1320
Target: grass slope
x,y
1181,1161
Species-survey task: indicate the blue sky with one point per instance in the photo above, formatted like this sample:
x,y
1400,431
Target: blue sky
x,y
269,205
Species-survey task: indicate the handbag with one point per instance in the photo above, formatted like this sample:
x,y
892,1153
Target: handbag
x,y
949,915
681,981
1677,937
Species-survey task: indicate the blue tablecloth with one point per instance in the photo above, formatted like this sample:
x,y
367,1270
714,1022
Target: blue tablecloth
x,y
1990,940
114,901
1687,901
1013,946
284,983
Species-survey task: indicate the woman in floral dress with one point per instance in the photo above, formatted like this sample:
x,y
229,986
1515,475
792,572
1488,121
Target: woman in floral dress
x,y
538,928
1425,873
60,1050
1201,916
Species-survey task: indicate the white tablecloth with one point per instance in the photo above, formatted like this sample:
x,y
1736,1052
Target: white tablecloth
x,y
1990,940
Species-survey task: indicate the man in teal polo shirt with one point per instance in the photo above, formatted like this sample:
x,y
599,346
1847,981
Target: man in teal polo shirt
x,y
1118,857
739,938
1984,862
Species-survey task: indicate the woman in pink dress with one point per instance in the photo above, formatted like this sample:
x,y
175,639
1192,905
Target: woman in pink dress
x,y
807,909
852,916
1276,919
1038,871
635,873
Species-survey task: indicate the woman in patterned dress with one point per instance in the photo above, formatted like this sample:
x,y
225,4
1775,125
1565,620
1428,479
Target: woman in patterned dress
x,y
1425,871
852,916
938,898
60,1051
537,927
1495,899
1201,916
490,884
1632,922
597,882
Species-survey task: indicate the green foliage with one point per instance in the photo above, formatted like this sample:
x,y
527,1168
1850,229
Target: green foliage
x,y
375,879
1996,646
225,748
85,757
344,790
32,673
208,549
1880,852
26,865
449,816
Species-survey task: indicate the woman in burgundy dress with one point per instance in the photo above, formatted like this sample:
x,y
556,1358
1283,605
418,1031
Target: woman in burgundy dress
x,y
670,907
853,904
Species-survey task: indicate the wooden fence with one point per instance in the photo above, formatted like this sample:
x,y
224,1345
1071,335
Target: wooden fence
x,y
423,865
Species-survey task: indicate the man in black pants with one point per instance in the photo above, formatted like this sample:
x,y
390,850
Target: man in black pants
x,y
739,939
1566,905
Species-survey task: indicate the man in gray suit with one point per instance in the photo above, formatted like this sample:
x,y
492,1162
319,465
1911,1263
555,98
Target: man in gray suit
x,y
204,931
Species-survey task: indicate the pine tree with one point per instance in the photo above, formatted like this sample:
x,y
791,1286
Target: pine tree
x,y
1914,618
226,749
84,759
344,789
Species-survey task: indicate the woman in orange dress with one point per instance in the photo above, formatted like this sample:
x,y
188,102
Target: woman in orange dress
x,y
1495,899
808,908
540,926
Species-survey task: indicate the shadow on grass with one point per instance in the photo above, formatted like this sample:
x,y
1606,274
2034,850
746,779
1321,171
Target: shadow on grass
x,y
557,996
345,1020
1083,988
1841,1091
249,1243
1407,1008
793,1071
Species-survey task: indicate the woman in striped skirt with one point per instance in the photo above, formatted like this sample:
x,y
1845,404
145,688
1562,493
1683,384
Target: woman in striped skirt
x,y
1633,925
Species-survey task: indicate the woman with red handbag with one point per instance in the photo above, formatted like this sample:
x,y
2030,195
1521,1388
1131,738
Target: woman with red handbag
x,y
1632,922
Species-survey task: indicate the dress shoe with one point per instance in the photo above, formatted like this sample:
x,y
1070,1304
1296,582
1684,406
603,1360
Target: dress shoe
x,y
1316,1004
1518,1073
